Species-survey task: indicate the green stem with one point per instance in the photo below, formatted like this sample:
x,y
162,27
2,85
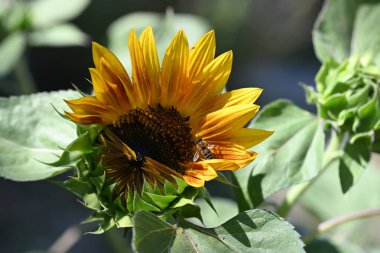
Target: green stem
x,y
332,223
24,77
292,196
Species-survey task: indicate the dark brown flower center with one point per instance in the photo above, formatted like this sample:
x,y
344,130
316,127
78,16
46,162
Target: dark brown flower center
x,y
162,134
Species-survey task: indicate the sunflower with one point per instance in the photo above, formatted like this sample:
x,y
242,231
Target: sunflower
x,y
172,121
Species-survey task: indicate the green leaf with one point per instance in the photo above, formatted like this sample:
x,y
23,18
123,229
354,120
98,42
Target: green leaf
x,y
292,155
164,26
11,50
31,131
59,35
345,27
44,13
252,231
353,161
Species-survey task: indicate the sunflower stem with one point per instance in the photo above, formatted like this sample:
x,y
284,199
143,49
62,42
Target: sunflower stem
x,y
331,154
336,221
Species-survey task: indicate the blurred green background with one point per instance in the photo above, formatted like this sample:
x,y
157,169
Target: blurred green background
x,y
45,45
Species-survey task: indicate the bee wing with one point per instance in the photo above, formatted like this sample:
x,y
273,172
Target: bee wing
x,y
196,156
211,146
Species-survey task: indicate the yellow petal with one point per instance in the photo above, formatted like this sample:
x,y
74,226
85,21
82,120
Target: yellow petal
x,y
207,84
174,75
231,98
148,45
101,89
88,119
202,54
224,120
124,93
162,168
99,51
139,71
221,164
87,105
233,152
246,137
194,181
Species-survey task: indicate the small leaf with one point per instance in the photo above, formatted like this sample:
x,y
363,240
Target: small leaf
x,y
191,211
58,36
252,231
140,204
162,201
292,155
44,13
31,132
76,186
187,197
91,201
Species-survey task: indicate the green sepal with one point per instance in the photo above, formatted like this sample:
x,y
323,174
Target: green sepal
x,y
80,147
140,204
123,221
187,197
191,211
162,201
202,193
224,180
91,201
98,182
76,186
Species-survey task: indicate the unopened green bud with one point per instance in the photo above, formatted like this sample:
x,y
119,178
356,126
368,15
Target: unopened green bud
x,y
348,96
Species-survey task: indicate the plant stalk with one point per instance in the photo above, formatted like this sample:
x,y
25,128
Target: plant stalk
x,y
334,222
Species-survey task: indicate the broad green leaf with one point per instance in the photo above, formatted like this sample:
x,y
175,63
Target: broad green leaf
x,y
354,160
292,155
164,26
59,35
11,50
345,27
252,231
44,13
31,131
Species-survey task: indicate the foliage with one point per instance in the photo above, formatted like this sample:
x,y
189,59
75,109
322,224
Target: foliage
x,y
295,150
31,132
250,231
35,140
